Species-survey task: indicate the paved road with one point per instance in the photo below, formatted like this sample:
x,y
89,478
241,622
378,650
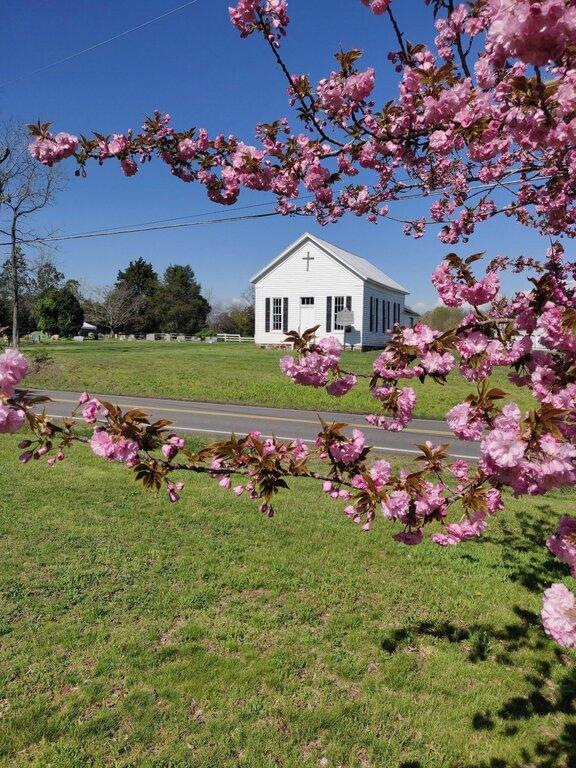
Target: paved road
x,y
216,420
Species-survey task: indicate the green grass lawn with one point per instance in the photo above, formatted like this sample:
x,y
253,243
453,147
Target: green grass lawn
x,y
224,373
138,633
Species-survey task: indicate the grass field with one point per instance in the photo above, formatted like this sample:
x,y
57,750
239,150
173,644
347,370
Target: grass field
x,y
222,373
135,633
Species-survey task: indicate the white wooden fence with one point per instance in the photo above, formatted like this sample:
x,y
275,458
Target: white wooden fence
x,y
234,337
226,337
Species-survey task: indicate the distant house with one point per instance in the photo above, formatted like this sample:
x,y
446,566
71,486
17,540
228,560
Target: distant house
x,y
411,316
311,281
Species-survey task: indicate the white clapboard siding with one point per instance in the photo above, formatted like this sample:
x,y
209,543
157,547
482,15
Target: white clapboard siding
x,y
293,276
291,279
379,336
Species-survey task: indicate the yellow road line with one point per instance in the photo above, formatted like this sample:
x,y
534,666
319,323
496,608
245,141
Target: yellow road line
x,y
252,416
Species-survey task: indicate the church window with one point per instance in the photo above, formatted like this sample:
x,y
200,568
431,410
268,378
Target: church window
x,y
276,314
307,301
338,307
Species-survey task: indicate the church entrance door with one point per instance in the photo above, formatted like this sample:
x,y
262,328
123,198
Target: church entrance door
x,y
307,317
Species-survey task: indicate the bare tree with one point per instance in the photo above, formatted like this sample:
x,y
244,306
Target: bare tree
x,y
249,296
112,307
26,187
237,317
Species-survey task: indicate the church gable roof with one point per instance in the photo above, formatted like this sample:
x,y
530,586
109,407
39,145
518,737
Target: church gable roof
x,y
356,264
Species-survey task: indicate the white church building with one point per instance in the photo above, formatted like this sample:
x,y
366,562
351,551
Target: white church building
x,y
312,281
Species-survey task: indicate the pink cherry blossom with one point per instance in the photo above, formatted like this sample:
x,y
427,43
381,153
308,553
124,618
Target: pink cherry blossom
x,y
535,31
91,410
503,448
123,450
11,419
349,451
13,368
377,7
341,385
465,421
50,149
299,450
563,544
559,615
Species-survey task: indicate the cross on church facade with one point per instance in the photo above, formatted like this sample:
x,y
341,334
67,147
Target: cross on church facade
x,y
308,259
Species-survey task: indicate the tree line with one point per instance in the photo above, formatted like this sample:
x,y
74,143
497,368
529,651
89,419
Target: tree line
x,y
139,302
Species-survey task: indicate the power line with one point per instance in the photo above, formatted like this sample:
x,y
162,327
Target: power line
x,y
151,225
111,230
88,235
98,45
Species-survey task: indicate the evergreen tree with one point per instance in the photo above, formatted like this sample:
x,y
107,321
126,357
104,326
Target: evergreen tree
x,y
45,275
185,310
24,284
142,283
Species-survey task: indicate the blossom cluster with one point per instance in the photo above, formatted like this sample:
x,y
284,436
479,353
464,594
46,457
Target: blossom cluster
x,y
315,366
559,615
103,445
563,543
270,16
413,353
534,32
377,7
13,368
50,149
493,121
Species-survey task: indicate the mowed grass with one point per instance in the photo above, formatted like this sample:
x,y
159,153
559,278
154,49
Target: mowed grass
x,y
224,373
138,633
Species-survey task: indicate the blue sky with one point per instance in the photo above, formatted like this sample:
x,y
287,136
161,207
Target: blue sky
x,y
194,65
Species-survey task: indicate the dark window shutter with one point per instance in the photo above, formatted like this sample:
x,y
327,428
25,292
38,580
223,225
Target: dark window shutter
x,y
371,314
377,302
388,315
328,314
285,316
348,302
267,317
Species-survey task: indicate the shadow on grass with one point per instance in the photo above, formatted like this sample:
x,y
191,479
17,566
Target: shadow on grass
x,y
479,641
557,748
550,704
525,556
546,697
